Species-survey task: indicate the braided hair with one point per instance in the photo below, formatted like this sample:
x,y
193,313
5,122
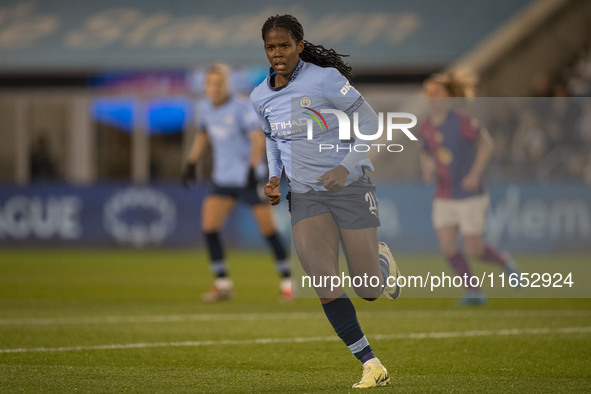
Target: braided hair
x,y
316,54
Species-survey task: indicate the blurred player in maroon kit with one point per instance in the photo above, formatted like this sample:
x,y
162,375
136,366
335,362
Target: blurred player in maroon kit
x,y
456,148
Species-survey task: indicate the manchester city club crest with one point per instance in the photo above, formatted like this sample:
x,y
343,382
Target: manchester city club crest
x,y
305,102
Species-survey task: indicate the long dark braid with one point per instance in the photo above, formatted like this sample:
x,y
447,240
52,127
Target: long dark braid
x,y
316,54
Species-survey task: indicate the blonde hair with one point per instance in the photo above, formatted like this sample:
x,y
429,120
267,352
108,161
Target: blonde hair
x,y
460,82
219,68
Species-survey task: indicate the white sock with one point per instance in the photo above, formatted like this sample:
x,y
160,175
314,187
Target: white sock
x,y
374,360
285,284
224,283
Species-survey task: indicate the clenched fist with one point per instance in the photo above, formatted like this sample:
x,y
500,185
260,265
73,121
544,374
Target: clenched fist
x,y
272,191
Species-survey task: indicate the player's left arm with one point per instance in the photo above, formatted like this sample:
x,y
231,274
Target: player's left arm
x,y
257,147
250,122
349,100
484,150
257,143
335,179
427,164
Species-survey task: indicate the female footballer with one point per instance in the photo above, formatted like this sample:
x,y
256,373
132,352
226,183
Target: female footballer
x,y
457,149
229,124
331,198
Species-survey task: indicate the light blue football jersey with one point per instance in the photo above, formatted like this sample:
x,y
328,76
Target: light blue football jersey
x,y
285,112
228,127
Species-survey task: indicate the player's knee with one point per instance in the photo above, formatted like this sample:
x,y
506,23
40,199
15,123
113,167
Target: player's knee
x,y
210,225
472,253
209,229
326,300
368,293
449,250
267,231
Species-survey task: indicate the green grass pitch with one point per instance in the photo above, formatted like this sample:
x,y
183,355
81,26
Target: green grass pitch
x,y
132,321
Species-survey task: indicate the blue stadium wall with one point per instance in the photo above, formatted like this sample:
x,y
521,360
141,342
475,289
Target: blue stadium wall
x,y
524,217
50,35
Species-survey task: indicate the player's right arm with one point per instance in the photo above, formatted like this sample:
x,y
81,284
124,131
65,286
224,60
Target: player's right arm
x,y
275,168
273,155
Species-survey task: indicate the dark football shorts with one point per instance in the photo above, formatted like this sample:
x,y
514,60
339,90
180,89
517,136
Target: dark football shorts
x,y
246,195
355,207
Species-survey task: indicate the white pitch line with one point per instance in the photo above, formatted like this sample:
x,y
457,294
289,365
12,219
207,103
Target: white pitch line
x,y
482,333
155,318
333,338
289,316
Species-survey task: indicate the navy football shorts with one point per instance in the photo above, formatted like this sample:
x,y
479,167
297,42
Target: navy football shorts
x,y
355,207
246,195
